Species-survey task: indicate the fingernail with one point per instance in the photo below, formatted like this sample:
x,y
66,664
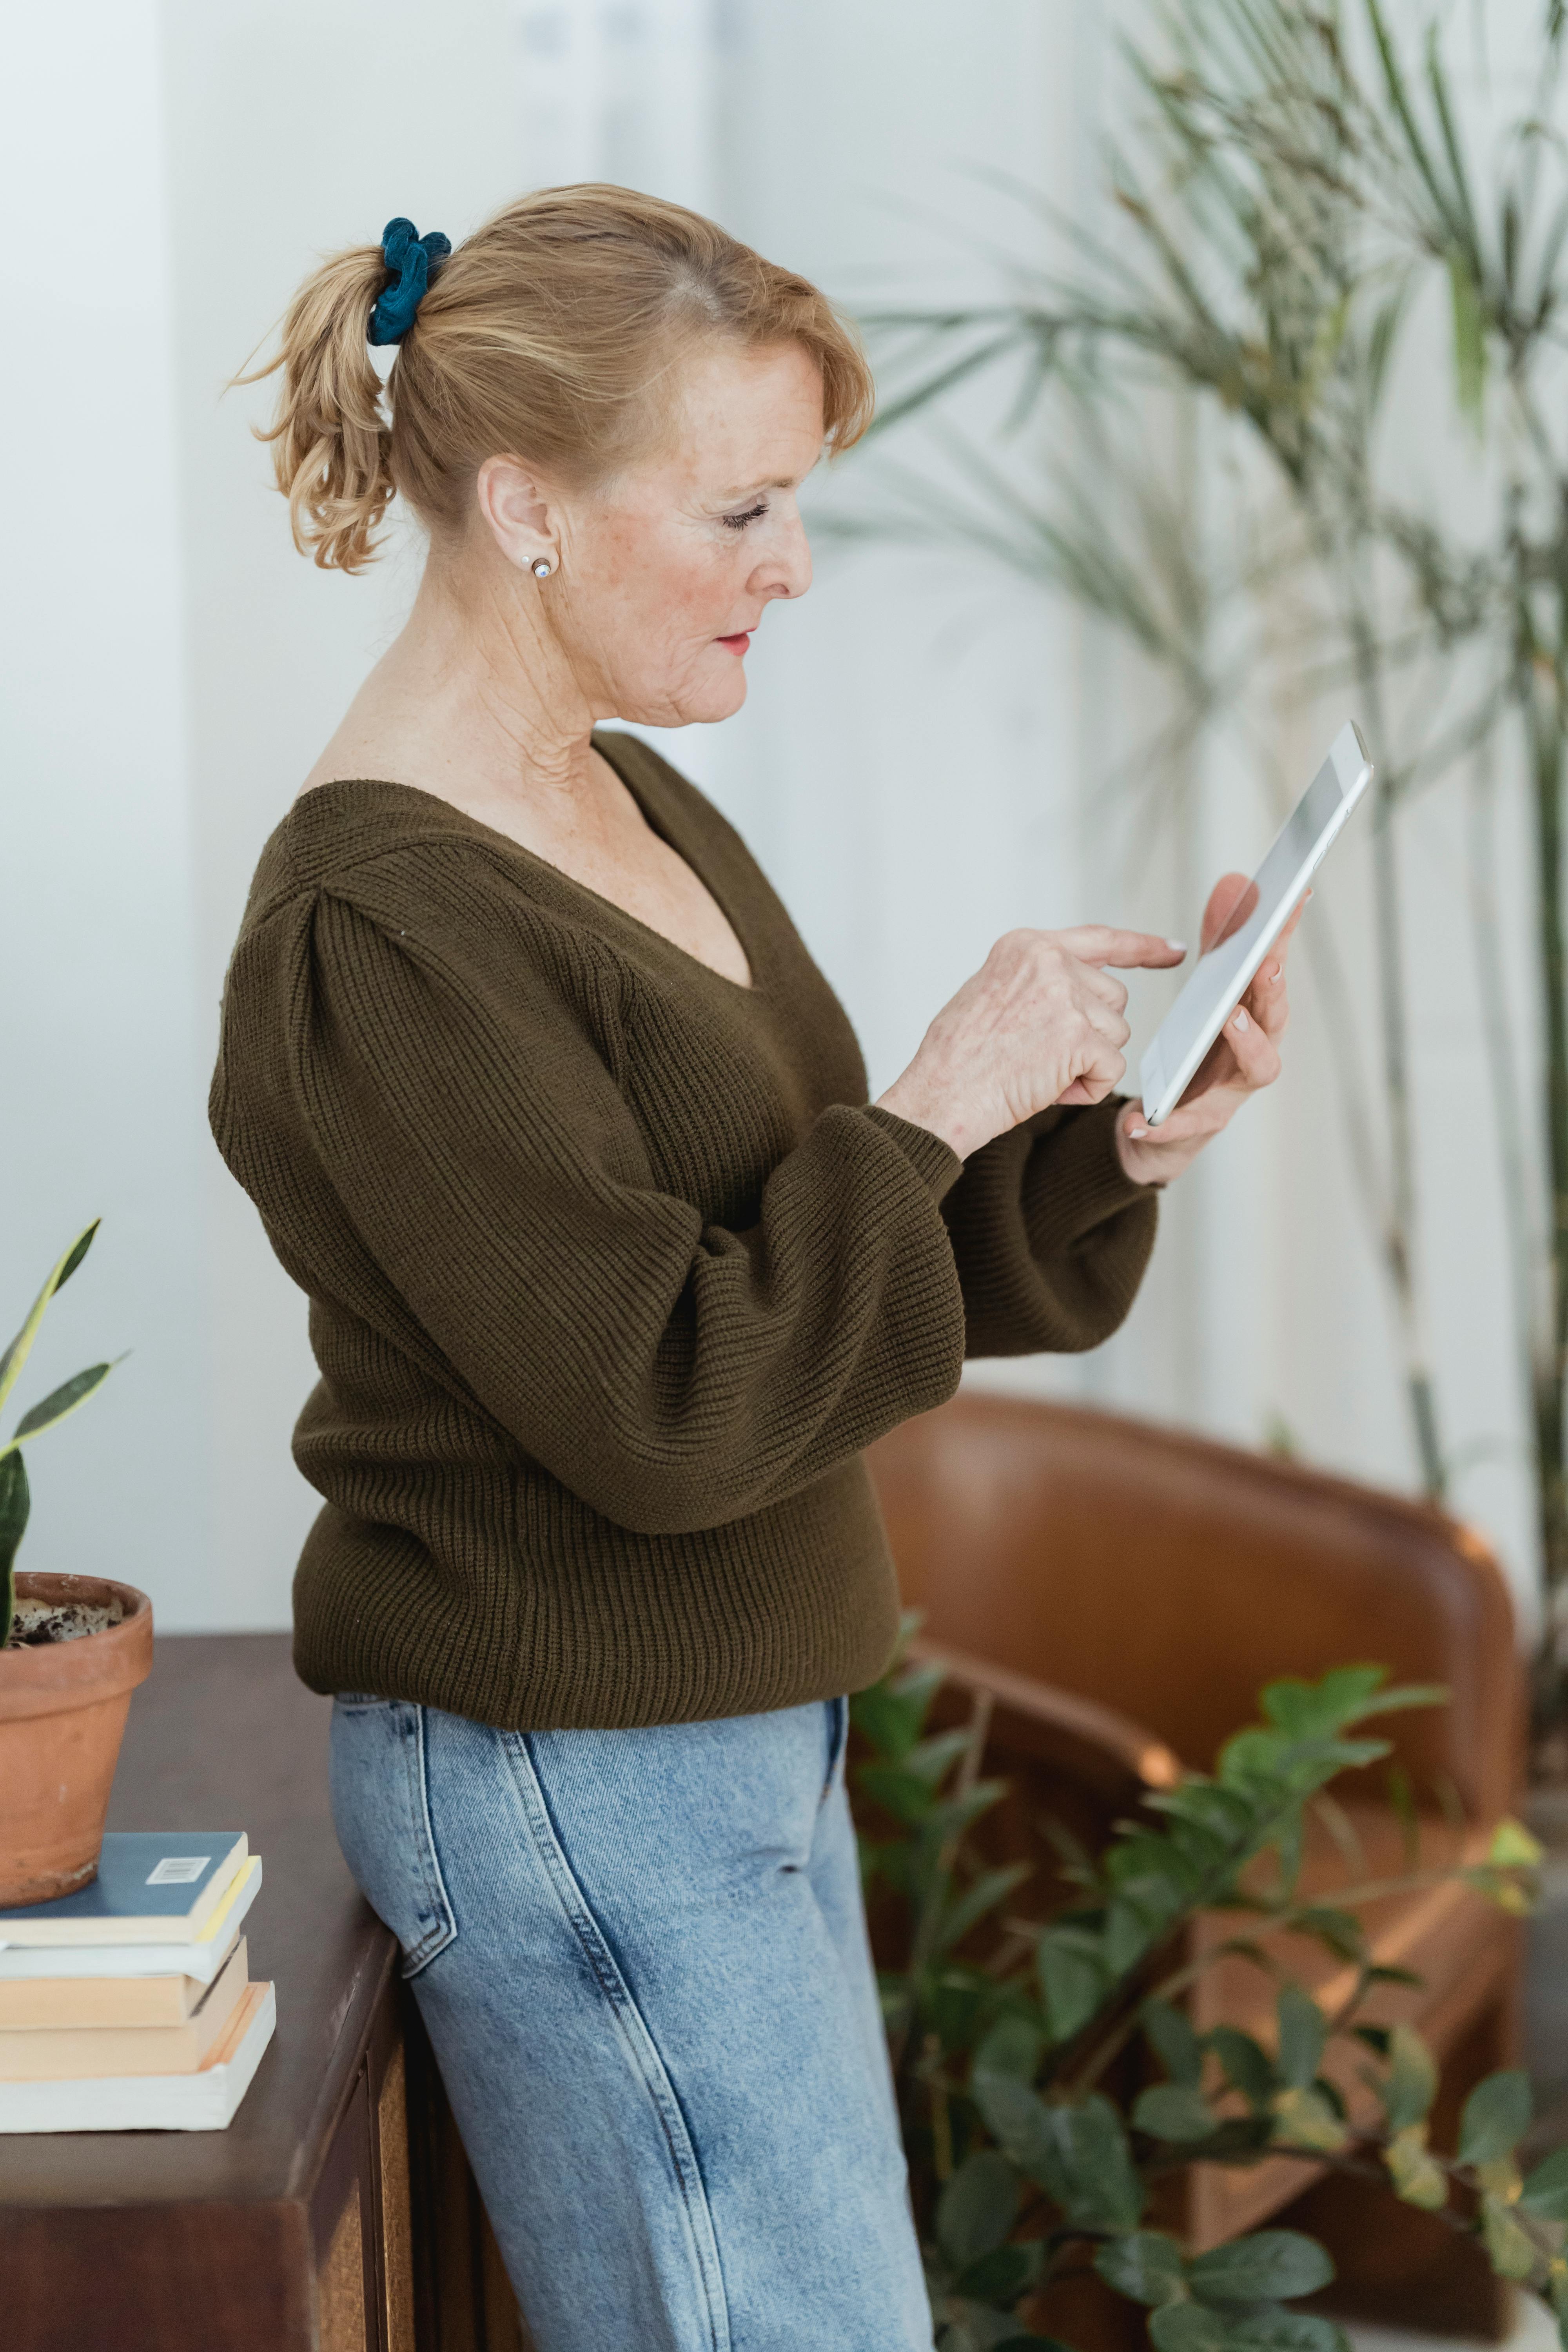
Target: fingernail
x,y
1180,946
1137,1133
1241,1021
1275,973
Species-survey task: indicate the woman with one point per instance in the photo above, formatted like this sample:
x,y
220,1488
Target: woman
x,y
613,1271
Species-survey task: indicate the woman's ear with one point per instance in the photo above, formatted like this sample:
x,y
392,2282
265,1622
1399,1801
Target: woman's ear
x,y
518,512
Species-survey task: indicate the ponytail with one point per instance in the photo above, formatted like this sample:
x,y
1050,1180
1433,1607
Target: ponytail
x,y
331,448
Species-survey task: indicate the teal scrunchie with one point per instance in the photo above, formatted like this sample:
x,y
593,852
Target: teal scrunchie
x,y
409,258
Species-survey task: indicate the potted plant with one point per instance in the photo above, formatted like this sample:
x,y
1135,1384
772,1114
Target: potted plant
x,y
1051,2081
72,1650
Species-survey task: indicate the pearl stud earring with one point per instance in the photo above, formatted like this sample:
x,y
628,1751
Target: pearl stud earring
x,y
543,568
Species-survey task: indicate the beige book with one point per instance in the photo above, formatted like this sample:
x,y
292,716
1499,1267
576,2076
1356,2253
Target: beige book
x,y
109,2000
69,2053
205,2101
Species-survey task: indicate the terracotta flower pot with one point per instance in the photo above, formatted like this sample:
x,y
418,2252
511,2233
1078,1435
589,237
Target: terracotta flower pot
x,y
62,1717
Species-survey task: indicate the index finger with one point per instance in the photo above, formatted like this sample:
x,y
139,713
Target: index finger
x,y
1100,944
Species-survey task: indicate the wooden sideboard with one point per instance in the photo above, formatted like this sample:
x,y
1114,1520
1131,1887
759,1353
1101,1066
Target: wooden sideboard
x,y
337,2213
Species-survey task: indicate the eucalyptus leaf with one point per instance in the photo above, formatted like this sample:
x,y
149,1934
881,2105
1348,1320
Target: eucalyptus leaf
x,y
1073,1978
1412,2084
1303,2033
1078,2154
1174,2110
1188,2328
1170,2030
1309,2118
1004,2274
1545,2190
1495,2117
1511,2249
1418,2179
979,1897
1247,2063
977,2208
891,1714
1269,2265
1146,2267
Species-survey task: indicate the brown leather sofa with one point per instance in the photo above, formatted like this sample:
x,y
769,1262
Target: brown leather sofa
x,y
1115,1594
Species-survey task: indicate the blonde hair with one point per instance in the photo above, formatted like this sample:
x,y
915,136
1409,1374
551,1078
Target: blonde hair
x,y
550,333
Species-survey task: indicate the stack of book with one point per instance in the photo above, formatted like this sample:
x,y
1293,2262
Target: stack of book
x,y
128,2006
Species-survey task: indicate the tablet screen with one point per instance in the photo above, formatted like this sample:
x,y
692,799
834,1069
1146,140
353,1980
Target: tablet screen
x,y
1220,977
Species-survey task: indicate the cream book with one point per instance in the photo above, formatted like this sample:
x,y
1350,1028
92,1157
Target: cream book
x,y
58,2053
32,2002
153,1886
201,1957
205,2101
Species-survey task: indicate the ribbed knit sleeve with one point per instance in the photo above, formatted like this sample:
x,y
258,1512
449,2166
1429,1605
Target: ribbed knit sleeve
x,y
1051,1237
671,1372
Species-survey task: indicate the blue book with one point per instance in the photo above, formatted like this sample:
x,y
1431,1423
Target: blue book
x,y
153,1886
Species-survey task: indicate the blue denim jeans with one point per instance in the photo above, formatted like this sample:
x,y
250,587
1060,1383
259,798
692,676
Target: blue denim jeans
x,y
641,1959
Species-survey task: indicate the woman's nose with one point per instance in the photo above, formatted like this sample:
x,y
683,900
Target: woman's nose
x,y
786,569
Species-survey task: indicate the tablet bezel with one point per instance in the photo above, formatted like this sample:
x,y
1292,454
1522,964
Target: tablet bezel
x,y
1163,1081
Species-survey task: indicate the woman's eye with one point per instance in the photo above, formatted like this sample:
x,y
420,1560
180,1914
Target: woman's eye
x,y
738,521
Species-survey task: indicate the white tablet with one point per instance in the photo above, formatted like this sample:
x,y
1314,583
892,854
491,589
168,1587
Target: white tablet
x,y
1220,979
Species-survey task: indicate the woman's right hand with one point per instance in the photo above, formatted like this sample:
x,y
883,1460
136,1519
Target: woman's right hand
x,y
1041,1021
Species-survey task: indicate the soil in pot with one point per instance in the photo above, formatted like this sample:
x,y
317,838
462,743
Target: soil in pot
x,y
65,1691
36,1622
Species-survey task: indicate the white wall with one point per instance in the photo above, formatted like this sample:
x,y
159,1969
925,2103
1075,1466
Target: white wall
x,y
103,1080
911,765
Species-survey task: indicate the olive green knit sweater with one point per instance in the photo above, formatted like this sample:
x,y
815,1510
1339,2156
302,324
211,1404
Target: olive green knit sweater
x,y
611,1273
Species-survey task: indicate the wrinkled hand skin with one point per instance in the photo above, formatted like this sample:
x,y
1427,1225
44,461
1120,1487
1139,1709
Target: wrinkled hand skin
x,y
1242,1061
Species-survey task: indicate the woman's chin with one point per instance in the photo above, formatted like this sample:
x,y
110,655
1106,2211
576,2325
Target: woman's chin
x,y
700,705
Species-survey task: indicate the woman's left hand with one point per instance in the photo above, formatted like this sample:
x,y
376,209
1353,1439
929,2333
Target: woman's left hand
x,y
1244,1057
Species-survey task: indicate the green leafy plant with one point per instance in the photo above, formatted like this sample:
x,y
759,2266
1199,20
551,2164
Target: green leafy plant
x,y
1208,448
15,1499
1038,2141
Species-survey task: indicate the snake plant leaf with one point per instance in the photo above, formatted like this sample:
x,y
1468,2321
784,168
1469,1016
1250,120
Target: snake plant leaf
x,y
59,1403
16,1354
14,1508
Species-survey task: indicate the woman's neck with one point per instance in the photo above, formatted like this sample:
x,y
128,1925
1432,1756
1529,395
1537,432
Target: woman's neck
x,y
476,701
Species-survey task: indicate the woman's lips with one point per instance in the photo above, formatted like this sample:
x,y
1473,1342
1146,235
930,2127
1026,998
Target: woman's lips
x,y
737,643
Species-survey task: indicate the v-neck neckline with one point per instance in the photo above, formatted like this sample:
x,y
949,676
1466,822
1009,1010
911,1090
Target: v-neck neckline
x,y
682,840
